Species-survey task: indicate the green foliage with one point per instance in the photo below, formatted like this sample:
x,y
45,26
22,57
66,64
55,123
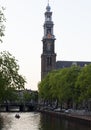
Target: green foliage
x,y
67,84
70,80
84,83
44,88
54,84
10,95
2,20
30,96
10,79
27,96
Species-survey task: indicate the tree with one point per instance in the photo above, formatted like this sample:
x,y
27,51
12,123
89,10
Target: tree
x,y
27,96
2,26
45,92
84,83
10,79
60,85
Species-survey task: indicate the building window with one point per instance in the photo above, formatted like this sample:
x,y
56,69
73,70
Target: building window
x,y
49,61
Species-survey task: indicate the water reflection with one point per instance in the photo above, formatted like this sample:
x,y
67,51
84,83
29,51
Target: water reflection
x,y
37,121
1,122
48,122
27,121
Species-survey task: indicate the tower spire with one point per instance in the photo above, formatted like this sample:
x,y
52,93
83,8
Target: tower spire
x,y
48,7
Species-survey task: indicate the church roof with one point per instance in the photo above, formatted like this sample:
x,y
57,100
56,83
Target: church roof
x,y
63,64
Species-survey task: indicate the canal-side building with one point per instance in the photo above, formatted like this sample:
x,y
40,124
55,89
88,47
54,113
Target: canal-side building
x,y
48,56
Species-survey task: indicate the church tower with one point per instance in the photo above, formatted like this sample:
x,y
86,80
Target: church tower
x,y
48,57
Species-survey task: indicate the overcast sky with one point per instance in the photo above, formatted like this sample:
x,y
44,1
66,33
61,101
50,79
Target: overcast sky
x,y
24,32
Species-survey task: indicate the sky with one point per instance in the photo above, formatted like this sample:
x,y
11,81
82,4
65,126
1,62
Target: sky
x,y
24,32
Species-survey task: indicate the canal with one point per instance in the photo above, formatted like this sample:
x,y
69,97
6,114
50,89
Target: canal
x,y
37,121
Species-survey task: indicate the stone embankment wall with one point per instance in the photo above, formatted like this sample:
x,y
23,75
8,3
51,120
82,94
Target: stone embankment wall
x,y
84,119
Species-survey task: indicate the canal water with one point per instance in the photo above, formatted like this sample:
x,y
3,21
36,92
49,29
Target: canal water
x,y
37,121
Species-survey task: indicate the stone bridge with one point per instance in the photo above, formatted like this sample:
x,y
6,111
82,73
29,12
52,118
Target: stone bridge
x,y
17,106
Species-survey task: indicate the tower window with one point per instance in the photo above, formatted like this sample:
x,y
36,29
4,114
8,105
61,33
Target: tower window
x,y
49,61
48,31
48,18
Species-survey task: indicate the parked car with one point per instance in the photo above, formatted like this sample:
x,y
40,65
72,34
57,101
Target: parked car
x,y
57,109
68,111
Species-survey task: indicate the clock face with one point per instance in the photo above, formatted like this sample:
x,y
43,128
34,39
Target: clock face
x,y
49,46
49,35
